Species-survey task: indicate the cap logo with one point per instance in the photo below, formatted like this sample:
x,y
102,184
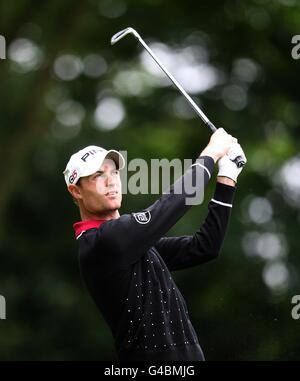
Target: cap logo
x,y
143,217
89,153
73,176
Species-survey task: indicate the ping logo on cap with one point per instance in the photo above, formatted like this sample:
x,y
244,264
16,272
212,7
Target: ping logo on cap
x,y
142,217
89,153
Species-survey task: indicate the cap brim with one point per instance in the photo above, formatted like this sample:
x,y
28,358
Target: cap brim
x,y
96,165
116,157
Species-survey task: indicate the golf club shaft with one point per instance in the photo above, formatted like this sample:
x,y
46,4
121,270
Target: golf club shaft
x,y
239,161
179,87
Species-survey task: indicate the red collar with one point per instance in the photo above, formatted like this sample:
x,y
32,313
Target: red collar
x,y
82,226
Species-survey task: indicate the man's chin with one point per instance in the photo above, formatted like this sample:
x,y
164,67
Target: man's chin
x,y
114,205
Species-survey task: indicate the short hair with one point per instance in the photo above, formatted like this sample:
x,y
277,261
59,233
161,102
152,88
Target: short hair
x,y
74,199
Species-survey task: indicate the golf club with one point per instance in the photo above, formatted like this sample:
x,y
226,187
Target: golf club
x,y
118,36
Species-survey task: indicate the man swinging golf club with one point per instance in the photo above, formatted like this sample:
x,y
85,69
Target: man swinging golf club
x,y
126,261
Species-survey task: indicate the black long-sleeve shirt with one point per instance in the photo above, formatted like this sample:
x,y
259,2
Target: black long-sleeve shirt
x,y
126,265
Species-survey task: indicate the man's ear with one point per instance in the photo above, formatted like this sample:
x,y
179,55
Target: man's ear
x,y
75,191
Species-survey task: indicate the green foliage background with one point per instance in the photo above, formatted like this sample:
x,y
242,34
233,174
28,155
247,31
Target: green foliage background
x,y
238,314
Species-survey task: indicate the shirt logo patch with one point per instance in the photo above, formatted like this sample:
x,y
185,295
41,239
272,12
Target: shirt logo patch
x,y
142,218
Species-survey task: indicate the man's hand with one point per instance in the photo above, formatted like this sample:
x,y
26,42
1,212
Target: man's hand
x,y
227,168
219,144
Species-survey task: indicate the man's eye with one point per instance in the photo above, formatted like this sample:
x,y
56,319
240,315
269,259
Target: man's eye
x,y
115,172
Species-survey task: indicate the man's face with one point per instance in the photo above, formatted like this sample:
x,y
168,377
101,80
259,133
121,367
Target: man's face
x,y
101,192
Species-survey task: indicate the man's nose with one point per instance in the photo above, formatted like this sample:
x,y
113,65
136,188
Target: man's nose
x,y
111,181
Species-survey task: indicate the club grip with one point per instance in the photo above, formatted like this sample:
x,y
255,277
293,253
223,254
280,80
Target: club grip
x,y
239,161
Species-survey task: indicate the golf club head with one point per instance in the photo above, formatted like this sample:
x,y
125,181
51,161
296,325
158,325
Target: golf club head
x,y
118,36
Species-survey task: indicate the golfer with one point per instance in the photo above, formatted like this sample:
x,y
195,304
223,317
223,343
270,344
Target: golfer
x,y
126,261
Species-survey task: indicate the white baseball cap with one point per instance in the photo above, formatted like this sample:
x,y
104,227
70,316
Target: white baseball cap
x,y
88,161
